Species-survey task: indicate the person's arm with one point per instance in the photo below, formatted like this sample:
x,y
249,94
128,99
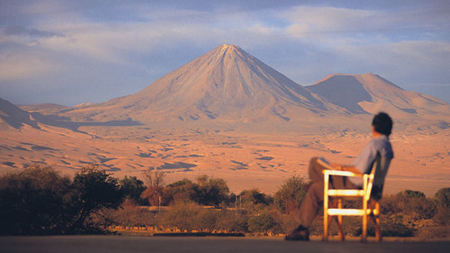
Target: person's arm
x,y
342,167
348,168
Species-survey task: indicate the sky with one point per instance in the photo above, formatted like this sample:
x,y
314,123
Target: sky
x,y
71,52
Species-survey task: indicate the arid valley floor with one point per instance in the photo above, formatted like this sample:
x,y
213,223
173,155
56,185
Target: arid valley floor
x,y
244,160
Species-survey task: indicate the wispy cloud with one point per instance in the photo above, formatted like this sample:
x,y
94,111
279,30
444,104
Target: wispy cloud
x,y
75,43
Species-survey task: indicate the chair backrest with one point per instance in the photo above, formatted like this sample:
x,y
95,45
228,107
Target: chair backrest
x,y
378,172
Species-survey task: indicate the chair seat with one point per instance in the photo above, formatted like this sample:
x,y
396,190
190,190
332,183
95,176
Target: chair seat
x,y
355,193
348,212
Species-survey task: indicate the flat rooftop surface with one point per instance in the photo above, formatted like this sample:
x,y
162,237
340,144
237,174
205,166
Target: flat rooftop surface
x,y
136,244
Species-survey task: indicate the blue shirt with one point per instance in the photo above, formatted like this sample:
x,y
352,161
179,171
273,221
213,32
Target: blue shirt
x,y
364,160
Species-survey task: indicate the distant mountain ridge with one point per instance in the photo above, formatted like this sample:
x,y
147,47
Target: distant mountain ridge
x,y
369,93
15,117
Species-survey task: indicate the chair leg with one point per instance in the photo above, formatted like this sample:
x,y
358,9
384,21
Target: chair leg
x,y
377,223
364,222
325,226
325,210
339,222
339,225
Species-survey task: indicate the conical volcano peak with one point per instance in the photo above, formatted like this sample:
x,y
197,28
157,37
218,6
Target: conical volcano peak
x,y
225,83
231,46
225,49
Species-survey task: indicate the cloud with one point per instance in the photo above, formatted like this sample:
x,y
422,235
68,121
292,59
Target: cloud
x,y
109,44
19,66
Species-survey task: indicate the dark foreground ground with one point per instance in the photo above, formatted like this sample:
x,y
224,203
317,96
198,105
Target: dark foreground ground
x,y
99,244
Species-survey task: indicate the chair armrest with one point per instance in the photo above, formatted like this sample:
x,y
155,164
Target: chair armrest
x,y
341,173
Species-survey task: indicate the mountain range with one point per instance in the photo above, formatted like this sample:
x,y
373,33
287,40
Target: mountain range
x,y
228,85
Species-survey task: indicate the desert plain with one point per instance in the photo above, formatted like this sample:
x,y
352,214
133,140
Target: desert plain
x,y
244,159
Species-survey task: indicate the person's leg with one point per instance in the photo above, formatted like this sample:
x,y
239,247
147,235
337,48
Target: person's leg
x,y
315,170
308,211
311,204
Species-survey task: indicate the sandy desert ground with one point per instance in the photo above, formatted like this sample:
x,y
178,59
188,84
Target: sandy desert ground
x,y
244,160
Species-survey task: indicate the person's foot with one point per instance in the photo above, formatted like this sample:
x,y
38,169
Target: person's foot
x,y
299,234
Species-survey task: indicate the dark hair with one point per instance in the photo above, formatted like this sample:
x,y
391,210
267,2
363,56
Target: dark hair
x,y
382,123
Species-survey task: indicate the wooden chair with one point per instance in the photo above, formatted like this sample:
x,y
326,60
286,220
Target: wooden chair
x,y
370,194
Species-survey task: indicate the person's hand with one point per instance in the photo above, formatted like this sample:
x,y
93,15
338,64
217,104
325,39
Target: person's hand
x,y
336,166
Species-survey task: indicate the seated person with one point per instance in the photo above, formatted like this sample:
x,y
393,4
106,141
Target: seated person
x,y
312,202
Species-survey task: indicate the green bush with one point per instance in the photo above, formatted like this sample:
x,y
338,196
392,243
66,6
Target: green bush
x,y
409,202
254,200
182,215
39,201
128,214
261,223
132,188
443,197
232,221
290,195
35,201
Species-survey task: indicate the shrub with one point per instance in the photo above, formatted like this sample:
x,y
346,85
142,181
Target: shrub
x,y
290,195
261,223
39,201
129,214
211,191
154,192
434,232
254,200
442,216
182,215
183,190
390,226
443,197
132,188
409,202
206,220
34,201
94,190
232,221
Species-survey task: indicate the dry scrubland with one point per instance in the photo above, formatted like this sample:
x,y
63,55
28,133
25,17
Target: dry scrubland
x,y
39,201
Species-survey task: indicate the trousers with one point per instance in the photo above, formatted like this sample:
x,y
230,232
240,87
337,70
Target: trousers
x,y
313,200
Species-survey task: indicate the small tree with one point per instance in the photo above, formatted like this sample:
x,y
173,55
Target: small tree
x,y
211,191
254,200
442,198
183,190
290,195
155,187
34,201
94,189
132,188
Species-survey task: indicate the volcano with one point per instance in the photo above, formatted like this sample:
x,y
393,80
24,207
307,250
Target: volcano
x,y
226,84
